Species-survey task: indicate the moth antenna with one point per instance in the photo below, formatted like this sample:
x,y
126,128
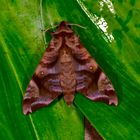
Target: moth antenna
x,y
46,30
71,24
77,25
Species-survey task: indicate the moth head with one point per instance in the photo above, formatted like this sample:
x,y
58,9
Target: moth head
x,y
63,28
64,24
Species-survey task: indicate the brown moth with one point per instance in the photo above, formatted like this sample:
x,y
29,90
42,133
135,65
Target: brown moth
x,y
66,68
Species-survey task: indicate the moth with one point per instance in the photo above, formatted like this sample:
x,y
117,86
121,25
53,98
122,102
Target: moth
x,y
66,68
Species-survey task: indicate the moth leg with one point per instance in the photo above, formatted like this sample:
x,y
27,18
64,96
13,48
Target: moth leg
x,y
34,100
104,92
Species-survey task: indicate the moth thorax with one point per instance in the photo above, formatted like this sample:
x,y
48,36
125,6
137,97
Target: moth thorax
x,y
66,57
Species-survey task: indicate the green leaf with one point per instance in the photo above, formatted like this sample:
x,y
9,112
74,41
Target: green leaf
x,y
112,36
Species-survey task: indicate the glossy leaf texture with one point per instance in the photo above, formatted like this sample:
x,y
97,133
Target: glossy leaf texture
x,y
112,36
